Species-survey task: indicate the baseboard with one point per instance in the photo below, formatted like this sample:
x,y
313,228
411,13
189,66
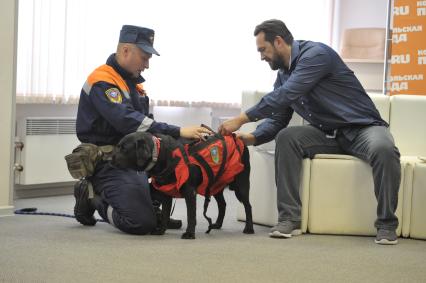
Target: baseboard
x,y
6,210
43,190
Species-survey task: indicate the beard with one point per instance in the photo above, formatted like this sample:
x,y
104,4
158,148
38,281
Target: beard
x,y
276,63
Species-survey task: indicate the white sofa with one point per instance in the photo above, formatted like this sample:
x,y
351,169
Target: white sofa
x,y
337,190
414,222
408,115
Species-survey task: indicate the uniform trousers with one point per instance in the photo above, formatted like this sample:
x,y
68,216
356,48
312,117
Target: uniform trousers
x,y
123,199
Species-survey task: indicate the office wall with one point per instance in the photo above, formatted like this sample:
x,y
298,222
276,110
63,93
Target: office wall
x,y
357,14
7,106
348,13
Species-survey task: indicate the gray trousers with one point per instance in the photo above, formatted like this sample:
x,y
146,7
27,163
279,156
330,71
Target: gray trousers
x,y
373,144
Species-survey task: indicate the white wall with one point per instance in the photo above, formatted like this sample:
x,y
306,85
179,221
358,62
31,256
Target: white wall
x,y
347,14
7,106
357,14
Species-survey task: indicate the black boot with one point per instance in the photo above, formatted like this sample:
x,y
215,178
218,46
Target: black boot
x,y
173,223
83,209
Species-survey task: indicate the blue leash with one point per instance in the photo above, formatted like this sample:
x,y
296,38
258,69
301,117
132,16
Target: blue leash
x,y
33,211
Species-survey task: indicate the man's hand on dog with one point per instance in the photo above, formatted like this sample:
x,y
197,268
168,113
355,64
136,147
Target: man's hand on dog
x,y
231,125
194,132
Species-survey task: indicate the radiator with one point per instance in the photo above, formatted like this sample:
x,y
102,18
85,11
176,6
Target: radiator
x,y
46,140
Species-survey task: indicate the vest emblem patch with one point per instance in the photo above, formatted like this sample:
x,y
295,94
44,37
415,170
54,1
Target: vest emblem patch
x,y
114,95
214,152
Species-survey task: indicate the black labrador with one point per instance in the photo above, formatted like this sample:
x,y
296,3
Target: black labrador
x,y
160,155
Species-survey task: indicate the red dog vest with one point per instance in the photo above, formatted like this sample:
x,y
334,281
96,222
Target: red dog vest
x,y
219,159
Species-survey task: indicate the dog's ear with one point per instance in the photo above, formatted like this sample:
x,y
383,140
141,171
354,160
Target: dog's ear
x,y
124,153
143,151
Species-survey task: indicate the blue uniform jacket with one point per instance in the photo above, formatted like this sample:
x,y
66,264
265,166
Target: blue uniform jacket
x,y
107,113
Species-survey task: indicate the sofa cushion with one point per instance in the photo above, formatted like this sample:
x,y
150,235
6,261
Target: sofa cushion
x,y
407,123
382,103
341,196
418,207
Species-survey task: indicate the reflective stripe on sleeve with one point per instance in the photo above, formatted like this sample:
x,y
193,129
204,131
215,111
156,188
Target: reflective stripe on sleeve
x,y
145,125
109,215
87,87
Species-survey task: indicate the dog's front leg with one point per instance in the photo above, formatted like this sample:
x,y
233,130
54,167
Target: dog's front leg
x,y
165,212
189,193
166,205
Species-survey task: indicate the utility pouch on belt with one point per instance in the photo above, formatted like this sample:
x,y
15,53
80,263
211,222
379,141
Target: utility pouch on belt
x,y
83,159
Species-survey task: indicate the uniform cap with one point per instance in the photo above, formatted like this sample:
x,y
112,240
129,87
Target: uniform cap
x,y
142,37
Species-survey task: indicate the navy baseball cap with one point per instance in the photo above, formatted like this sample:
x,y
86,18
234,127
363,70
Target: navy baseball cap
x,y
142,37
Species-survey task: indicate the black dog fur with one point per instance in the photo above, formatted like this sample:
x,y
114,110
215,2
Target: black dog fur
x,y
135,151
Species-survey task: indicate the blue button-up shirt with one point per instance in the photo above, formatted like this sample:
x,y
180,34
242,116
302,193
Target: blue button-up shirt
x,y
320,88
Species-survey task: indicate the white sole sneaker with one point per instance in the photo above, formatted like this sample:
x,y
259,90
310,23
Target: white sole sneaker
x,y
386,242
278,234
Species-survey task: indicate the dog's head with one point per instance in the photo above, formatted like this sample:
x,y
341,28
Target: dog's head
x,y
137,151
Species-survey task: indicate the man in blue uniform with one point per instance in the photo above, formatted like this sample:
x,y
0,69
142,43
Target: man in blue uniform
x,y
113,104
314,82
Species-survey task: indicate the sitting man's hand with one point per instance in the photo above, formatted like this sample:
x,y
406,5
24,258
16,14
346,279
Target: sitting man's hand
x,y
231,125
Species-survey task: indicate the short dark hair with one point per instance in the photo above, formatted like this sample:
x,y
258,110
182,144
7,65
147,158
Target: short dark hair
x,y
273,28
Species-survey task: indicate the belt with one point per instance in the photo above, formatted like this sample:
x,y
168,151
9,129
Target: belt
x,y
331,134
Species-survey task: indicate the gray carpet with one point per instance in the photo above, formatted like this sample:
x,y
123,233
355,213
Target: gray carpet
x,y
58,249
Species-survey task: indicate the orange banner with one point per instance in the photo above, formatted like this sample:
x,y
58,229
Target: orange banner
x,y
408,48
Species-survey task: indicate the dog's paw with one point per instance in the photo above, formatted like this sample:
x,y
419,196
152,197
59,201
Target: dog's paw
x,y
248,230
188,235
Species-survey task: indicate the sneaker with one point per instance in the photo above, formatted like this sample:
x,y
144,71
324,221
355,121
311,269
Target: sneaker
x,y
386,237
286,229
83,210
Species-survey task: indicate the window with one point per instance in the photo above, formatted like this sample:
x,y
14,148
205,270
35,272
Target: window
x,y
207,48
